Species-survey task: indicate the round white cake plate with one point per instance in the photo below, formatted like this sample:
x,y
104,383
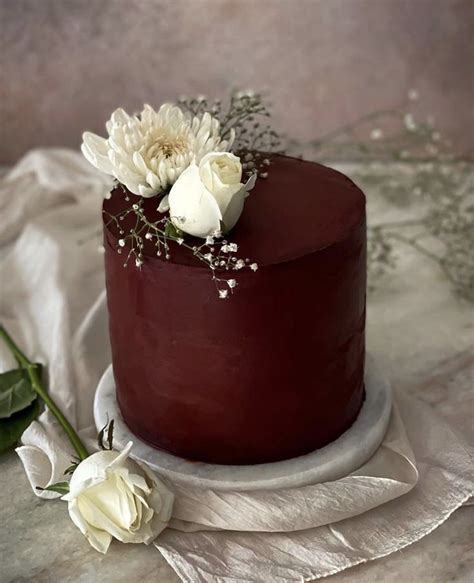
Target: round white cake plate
x,y
334,461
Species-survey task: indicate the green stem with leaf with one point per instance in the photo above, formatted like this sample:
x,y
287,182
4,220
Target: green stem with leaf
x,y
37,385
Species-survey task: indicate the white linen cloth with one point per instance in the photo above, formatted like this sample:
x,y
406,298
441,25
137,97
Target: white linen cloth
x,y
51,278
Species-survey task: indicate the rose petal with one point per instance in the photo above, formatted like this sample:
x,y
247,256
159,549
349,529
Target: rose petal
x,y
119,458
192,208
234,209
164,205
90,472
98,539
164,505
249,185
95,517
114,499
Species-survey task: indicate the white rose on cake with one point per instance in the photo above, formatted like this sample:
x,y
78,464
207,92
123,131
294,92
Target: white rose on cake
x,y
112,496
208,197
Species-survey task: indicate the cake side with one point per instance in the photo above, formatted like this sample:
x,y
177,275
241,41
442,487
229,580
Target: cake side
x,y
275,372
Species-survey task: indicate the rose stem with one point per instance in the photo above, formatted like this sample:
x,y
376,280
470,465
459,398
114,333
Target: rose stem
x,y
32,370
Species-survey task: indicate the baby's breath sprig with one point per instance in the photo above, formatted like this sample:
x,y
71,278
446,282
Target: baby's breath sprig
x,y
444,231
246,115
218,254
393,134
443,228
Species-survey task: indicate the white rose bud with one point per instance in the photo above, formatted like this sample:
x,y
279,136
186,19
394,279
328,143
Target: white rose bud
x,y
209,194
112,496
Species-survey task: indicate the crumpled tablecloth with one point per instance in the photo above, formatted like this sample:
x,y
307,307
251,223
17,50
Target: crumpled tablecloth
x,y
51,278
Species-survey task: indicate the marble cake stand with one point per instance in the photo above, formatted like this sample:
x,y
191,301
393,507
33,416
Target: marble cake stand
x,y
331,462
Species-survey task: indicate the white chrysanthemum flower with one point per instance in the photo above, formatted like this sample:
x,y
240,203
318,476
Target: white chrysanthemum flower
x,y
148,152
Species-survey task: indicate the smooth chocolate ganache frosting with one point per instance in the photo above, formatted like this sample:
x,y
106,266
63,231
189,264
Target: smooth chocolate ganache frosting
x,y
272,372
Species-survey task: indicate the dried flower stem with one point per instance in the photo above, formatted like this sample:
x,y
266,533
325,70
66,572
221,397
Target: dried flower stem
x,y
216,255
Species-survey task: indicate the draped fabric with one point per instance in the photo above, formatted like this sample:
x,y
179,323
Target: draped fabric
x,y
52,301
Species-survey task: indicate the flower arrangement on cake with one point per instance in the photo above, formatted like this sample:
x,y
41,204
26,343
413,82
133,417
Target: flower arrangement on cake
x,y
198,160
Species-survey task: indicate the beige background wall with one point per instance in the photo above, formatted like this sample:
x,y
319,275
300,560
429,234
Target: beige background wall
x,y
66,64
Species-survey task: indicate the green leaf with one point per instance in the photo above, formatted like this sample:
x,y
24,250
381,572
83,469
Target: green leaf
x,y
172,231
223,227
100,436
110,434
16,392
109,427
12,428
60,488
71,469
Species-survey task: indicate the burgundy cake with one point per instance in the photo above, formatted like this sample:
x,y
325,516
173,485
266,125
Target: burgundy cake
x,y
272,372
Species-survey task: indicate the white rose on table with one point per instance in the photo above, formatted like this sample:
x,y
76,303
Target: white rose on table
x,y
112,496
208,198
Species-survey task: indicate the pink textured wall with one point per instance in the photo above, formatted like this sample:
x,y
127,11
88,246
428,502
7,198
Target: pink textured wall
x,y
66,64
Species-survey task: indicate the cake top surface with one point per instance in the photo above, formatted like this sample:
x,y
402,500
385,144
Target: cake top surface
x,y
299,208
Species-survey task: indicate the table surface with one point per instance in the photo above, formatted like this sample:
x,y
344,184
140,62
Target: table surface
x,y
422,335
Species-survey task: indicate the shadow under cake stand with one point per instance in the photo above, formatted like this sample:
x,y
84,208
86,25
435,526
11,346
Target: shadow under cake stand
x,y
336,460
